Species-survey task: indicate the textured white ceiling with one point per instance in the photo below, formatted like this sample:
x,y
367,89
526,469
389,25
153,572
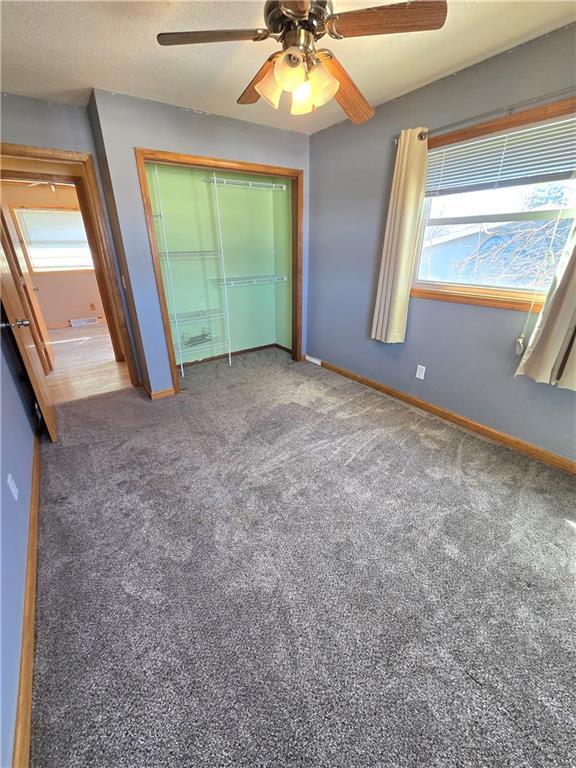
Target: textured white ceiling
x,y
59,50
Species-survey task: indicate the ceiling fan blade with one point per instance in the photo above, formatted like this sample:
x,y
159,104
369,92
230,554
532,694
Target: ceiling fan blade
x,y
415,16
211,36
250,95
348,95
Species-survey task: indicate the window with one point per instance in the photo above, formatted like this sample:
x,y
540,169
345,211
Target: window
x,y
54,239
499,212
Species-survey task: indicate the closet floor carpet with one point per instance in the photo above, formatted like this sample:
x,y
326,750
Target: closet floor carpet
x,y
281,567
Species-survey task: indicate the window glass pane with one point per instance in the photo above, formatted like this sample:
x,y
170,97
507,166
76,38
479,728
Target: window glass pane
x,y
55,239
513,254
551,195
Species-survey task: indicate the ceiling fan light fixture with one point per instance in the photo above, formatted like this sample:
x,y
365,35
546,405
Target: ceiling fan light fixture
x,y
269,89
289,69
324,85
298,25
302,99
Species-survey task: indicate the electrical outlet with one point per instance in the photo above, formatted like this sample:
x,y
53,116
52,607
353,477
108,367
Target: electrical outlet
x,y
420,371
13,487
92,307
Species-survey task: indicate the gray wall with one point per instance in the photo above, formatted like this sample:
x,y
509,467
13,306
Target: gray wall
x,y
57,126
17,445
468,350
43,124
125,123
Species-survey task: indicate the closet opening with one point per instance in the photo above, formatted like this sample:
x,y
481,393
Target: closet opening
x,y
226,242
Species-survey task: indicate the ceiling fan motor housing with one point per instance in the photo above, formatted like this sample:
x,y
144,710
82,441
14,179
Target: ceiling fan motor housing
x,y
299,38
283,16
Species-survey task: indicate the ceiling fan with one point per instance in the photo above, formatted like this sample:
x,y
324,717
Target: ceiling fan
x,y
314,76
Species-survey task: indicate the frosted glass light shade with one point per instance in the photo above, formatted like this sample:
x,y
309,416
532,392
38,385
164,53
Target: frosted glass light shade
x,y
302,99
324,84
289,69
269,89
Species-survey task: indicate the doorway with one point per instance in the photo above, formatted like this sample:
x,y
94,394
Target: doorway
x,y
59,281
73,359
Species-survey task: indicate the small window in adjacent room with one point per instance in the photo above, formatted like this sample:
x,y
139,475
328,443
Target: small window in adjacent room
x,y
54,239
499,211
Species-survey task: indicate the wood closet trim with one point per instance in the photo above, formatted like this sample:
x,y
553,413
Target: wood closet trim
x,y
20,161
296,175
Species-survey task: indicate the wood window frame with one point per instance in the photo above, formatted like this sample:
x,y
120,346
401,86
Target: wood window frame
x,y
487,296
296,175
33,271
21,161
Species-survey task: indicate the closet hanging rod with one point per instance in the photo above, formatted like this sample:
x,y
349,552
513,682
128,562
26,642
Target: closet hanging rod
x,y
248,184
197,315
251,280
199,254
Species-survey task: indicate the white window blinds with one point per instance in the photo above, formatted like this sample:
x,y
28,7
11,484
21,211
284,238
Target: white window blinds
x,y
541,152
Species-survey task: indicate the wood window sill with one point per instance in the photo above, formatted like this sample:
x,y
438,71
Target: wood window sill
x,y
521,301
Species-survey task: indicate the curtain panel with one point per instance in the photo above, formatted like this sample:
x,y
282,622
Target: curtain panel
x,y
402,237
550,357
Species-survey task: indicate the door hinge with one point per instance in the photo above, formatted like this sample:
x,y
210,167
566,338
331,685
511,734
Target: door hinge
x,y
16,324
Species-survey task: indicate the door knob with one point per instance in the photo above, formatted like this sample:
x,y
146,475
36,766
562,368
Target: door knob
x,y
16,324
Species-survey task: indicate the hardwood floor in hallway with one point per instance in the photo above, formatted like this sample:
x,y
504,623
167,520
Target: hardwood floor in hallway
x,y
84,364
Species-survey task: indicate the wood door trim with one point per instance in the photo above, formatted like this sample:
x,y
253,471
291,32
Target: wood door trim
x,y
21,749
14,309
144,156
528,449
30,303
515,120
83,176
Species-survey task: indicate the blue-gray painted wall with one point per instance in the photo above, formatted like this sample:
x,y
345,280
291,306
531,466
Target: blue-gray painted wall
x,y
44,124
125,123
39,123
468,350
17,450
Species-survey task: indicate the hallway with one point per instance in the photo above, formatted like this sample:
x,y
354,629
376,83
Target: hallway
x,y
84,364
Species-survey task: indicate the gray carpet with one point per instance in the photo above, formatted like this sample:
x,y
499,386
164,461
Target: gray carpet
x,y
281,567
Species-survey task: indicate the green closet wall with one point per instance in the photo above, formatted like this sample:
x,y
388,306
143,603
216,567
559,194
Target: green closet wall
x,y
225,245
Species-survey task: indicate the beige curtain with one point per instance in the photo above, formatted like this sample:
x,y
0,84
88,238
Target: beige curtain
x,y
551,353
401,239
